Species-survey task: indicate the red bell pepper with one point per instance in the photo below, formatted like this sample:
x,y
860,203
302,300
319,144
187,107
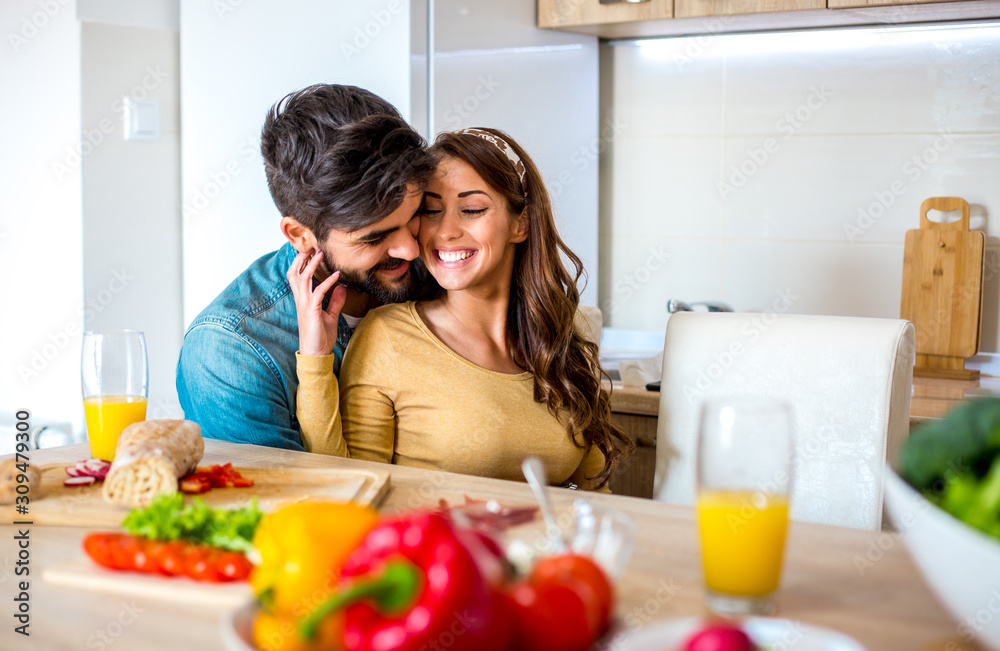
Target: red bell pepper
x,y
417,583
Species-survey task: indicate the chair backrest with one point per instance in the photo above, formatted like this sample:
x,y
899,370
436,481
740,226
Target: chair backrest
x,y
589,320
848,380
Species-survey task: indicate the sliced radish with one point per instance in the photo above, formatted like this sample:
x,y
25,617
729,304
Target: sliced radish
x,y
95,468
95,465
79,481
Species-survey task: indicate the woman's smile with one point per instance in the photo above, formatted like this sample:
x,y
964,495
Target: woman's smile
x,y
454,258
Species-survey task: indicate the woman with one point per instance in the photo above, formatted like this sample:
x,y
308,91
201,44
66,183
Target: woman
x,y
491,371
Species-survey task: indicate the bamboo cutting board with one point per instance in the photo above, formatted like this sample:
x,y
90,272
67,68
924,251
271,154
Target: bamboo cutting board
x,y
273,487
943,290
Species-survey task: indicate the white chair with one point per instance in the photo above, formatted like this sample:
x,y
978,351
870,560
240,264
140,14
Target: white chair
x,y
848,380
589,321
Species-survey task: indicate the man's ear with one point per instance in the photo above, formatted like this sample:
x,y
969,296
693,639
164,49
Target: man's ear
x,y
520,231
299,235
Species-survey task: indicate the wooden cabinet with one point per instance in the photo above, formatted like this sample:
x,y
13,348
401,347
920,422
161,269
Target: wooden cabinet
x,y
687,17
693,8
566,13
854,4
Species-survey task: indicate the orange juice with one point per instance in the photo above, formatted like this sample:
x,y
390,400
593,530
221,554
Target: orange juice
x,y
742,541
107,416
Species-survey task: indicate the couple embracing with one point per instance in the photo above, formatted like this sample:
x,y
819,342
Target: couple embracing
x,y
420,313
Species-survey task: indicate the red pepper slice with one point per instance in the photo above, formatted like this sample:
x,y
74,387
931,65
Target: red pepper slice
x,y
205,479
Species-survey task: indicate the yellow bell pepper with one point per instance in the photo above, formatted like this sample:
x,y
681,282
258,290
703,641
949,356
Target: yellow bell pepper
x,y
280,633
302,548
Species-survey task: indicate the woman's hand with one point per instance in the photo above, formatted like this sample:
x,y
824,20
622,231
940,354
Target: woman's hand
x,y
317,327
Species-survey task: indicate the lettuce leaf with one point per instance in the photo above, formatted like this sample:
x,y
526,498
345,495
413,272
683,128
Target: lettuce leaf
x,y
169,518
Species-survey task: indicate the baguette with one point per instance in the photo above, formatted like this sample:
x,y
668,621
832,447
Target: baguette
x,y
151,456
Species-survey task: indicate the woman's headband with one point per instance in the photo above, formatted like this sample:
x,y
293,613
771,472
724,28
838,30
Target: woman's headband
x,y
504,148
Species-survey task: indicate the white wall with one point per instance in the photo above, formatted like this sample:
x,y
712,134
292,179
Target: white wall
x,y
40,216
237,59
131,197
494,68
902,114
148,14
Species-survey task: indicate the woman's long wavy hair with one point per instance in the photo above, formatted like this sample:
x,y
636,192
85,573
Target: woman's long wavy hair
x,y
542,335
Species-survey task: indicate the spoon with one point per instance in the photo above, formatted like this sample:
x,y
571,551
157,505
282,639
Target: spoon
x,y
534,472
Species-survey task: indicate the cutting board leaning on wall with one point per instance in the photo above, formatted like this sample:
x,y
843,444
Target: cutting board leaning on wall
x,y
943,290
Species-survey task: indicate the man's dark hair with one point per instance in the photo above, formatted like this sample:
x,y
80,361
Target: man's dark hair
x,y
340,157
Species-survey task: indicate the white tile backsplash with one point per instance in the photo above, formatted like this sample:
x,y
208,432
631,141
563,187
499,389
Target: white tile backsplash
x,y
893,80
640,273
853,188
788,167
813,277
665,187
681,95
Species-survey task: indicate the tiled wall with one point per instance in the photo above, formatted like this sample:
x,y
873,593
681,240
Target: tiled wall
x,y
782,171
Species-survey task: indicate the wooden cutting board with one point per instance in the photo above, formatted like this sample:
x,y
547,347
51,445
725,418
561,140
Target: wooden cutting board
x,y
273,487
83,574
943,290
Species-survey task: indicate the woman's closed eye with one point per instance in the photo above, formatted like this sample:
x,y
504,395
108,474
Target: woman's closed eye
x,y
435,213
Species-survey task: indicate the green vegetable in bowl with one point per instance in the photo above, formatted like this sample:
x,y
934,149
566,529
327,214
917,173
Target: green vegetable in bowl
x,y
955,462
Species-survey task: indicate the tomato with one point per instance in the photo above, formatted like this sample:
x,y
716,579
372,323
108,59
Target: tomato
x,y
143,560
231,566
118,551
97,547
572,568
564,606
200,563
172,559
123,550
550,617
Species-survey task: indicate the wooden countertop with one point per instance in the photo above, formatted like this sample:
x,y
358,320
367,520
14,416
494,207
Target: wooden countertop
x,y
931,398
887,606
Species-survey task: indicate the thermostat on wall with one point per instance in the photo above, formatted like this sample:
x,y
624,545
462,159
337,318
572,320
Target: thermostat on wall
x,y
142,119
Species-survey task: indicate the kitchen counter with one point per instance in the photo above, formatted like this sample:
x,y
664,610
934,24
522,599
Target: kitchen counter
x,y
636,410
886,606
931,397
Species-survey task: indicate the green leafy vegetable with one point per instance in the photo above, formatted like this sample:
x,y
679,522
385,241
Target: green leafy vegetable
x,y
967,439
168,518
955,462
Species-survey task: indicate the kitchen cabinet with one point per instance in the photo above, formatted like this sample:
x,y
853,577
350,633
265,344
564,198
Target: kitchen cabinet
x,y
693,8
853,4
624,20
564,13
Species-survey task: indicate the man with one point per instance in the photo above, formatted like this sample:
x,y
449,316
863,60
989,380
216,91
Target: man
x,y
347,174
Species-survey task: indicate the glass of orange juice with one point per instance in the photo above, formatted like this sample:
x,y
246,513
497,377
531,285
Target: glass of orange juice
x,y
115,377
744,481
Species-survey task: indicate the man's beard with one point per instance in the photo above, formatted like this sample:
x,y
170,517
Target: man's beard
x,y
401,288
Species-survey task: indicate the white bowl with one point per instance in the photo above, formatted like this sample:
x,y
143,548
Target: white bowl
x,y
960,563
237,628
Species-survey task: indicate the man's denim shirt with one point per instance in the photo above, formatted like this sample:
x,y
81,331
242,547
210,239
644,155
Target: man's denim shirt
x,y
236,373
